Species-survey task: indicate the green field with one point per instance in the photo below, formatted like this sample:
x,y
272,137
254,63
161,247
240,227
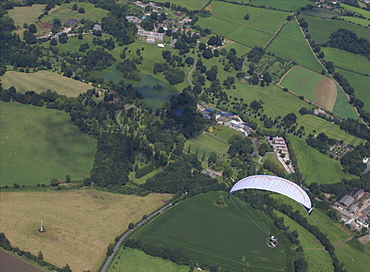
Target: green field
x,y
320,12
291,5
38,144
224,238
311,123
189,4
42,81
290,44
347,60
355,20
312,86
342,107
320,29
212,142
135,260
354,259
25,15
315,166
363,12
228,20
224,132
361,85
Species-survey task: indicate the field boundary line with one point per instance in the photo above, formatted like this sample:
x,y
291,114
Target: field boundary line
x,y
218,138
208,147
276,33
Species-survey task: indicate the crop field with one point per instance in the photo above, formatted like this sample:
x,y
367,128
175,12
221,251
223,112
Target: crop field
x,y
212,142
361,85
342,107
311,123
290,44
43,143
135,260
320,29
189,4
220,239
347,60
42,81
75,222
275,66
291,5
315,166
363,12
313,86
320,12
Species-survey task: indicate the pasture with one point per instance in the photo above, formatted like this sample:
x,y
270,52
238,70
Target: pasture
x,y
347,60
313,86
38,144
315,166
25,15
361,11
361,85
320,12
342,107
290,5
290,44
189,4
354,259
355,20
79,224
225,238
212,142
42,81
135,260
313,123
320,29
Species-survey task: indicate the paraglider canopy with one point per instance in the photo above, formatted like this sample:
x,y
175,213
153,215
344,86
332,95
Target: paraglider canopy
x,y
277,185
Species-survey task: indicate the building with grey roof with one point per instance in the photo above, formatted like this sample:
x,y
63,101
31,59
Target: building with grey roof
x,y
346,200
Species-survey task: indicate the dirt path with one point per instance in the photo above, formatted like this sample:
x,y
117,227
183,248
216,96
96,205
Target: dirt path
x,y
276,33
336,245
191,71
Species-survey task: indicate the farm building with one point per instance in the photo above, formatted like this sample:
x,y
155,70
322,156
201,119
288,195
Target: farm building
x,y
347,200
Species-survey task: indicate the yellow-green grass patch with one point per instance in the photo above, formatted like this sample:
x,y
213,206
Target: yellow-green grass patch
x,y
353,259
342,107
315,166
198,149
347,60
314,123
321,29
212,143
292,5
189,4
38,144
312,86
79,225
290,44
143,179
224,132
42,81
318,260
363,12
355,20
26,15
361,85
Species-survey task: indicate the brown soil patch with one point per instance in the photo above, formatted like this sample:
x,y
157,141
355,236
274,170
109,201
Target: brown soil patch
x,y
326,94
364,239
45,25
10,263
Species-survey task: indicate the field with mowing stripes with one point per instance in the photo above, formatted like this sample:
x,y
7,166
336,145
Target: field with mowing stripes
x,y
290,44
43,143
217,235
292,5
189,4
212,142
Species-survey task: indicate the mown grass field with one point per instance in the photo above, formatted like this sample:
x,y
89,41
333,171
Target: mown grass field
x,y
320,29
315,166
361,85
189,4
358,21
225,237
198,149
25,15
342,107
320,12
290,44
281,4
42,81
311,123
354,259
313,86
38,144
79,224
212,142
135,260
224,132
347,60
363,12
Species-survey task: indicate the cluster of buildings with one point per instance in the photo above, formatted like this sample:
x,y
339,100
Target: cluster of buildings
x,y
280,147
355,207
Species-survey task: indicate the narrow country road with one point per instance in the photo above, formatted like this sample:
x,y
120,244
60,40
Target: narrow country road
x,y
191,71
116,248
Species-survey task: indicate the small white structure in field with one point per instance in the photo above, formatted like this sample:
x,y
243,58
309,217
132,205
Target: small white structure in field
x,y
42,227
161,45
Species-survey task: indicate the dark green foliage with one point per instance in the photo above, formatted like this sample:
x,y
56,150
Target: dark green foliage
x,y
352,161
289,119
175,76
144,171
256,54
97,60
129,69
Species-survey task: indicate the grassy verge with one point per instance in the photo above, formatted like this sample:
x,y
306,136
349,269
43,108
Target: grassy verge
x,y
85,220
44,143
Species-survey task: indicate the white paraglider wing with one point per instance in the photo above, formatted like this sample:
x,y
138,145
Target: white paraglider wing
x,y
277,185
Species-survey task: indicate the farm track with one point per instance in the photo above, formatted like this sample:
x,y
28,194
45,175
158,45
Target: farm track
x,y
336,245
192,70
276,33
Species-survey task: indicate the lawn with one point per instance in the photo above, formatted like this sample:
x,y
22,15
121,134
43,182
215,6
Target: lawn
x,y
43,144
361,85
291,5
318,260
79,224
320,29
347,60
135,260
25,15
224,132
312,86
312,122
212,142
42,81
290,44
198,149
217,236
315,166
